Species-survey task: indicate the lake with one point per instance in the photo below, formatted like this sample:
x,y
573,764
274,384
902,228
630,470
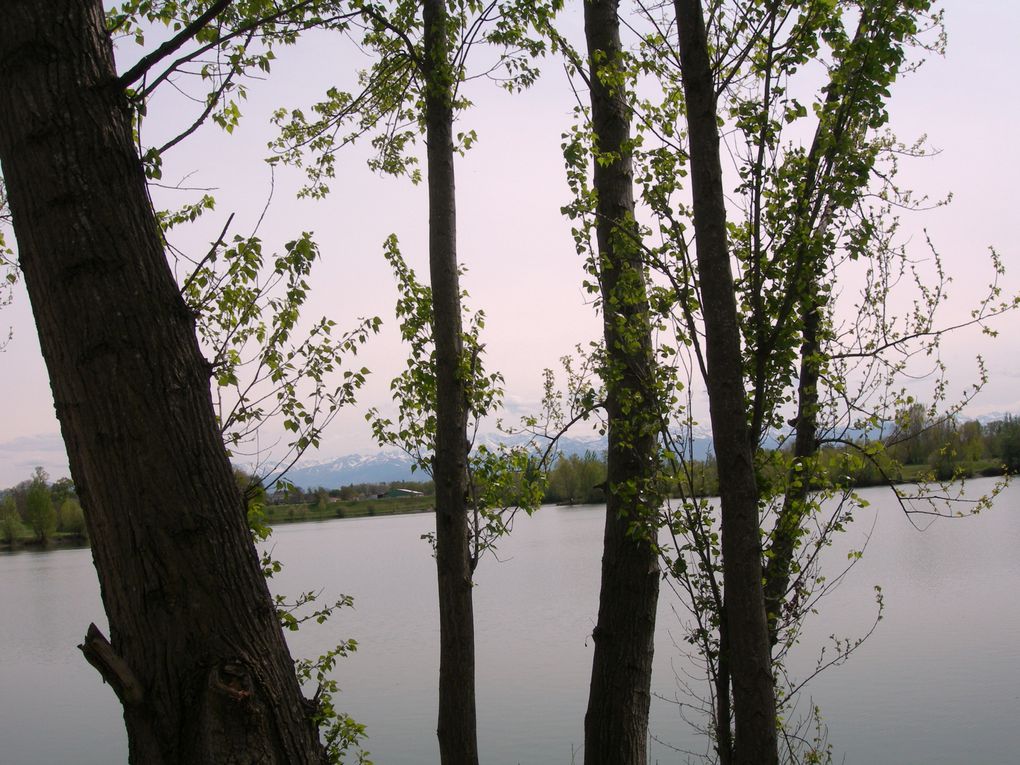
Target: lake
x,y
937,683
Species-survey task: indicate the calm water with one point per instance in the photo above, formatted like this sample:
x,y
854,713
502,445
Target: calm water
x,y
939,681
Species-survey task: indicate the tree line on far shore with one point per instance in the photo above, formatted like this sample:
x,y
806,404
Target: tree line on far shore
x,y
919,448
37,511
295,495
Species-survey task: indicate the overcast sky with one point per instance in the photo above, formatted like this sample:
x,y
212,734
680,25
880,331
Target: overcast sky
x,y
523,269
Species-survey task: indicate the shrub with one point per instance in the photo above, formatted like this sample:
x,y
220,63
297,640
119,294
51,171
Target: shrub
x,y
72,519
12,530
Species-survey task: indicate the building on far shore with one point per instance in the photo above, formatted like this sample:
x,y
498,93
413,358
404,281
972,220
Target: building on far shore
x,y
400,493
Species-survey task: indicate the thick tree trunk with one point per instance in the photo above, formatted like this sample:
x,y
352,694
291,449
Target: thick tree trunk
x,y
754,707
195,654
457,725
616,723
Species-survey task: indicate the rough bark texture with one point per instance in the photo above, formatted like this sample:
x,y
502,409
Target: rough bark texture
x,y
195,653
754,707
616,722
457,724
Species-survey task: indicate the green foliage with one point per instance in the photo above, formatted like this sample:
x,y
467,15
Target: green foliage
x,y
248,310
501,479
248,315
40,514
12,530
638,391
807,219
414,390
62,489
576,479
952,450
342,735
71,518
209,51
386,110
322,501
1003,443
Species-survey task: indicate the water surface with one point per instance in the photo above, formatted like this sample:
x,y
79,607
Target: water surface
x,y
937,683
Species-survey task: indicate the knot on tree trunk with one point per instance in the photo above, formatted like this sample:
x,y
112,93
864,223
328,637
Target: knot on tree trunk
x,y
232,722
232,680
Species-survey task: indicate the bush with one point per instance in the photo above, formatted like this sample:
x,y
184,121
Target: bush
x,y
72,519
12,530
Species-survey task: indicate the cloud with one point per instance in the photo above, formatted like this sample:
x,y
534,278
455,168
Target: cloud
x,y
20,456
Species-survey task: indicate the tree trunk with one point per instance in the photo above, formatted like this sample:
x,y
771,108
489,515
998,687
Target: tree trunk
x,y
196,654
754,706
788,529
457,725
616,723
811,217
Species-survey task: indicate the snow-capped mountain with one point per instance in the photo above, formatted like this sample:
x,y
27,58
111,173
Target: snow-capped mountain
x,y
390,465
381,467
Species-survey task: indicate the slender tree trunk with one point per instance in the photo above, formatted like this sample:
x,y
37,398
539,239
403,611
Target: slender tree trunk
x,y
616,723
754,707
723,700
810,220
457,724
196,654
805,447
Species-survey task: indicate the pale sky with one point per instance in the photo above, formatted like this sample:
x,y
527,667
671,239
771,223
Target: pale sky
x,y
524,271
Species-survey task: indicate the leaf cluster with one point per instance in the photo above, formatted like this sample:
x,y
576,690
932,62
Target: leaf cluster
x,y
387,108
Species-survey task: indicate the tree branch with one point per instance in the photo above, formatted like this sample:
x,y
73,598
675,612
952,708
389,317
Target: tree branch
x,y
172,45
212,251
115,671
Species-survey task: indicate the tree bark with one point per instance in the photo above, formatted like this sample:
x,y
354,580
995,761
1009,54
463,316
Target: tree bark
x,y
754,706
457,720
196,654
616,722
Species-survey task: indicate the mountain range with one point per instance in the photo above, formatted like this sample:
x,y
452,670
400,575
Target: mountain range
x,y
387,465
